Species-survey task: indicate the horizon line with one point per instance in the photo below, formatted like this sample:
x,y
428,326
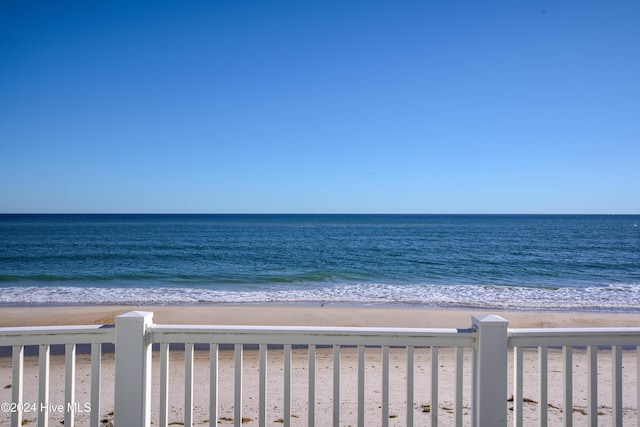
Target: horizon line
x,y
312,213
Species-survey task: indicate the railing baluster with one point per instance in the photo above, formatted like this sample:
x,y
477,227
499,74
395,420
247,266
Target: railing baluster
x,y
542,382
459,384
592,399
287,385
567,363
616,383
312,385
213,385
361,376
385,386
43,385
96,380
237,405
69,384
262,404
410,370
17,364
517,386
336,385
164,384
434,386
188,384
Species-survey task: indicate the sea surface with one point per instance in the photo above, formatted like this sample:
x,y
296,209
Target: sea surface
x,y
542,262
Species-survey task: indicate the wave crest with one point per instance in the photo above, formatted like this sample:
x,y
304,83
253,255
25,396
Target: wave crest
x,y
615,297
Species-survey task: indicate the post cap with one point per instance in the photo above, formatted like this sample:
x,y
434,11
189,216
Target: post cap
x,y
489,320
135,316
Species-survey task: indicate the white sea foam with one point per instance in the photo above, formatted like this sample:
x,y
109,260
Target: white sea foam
x,y
610,298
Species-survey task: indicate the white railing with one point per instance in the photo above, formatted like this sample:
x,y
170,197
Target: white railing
x,y
594,340
44,337
480,386
311,338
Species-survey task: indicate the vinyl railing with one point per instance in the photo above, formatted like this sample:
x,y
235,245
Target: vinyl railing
x,y
44,338
311,338
138,374
595,340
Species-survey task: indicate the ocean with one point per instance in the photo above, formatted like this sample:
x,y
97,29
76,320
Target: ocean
x,y
521,262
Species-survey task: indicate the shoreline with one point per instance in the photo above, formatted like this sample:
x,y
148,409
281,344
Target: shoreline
x,y
308,315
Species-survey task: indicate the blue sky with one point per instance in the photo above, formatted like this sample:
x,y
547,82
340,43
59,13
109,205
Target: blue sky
x,y
313,107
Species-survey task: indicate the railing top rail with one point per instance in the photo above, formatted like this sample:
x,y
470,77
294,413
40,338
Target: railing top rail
x,y
242,334
311,335
573,337
34,335
574,331
54,329
356,330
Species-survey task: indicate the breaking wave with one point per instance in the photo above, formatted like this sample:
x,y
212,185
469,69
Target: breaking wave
x,y
617,297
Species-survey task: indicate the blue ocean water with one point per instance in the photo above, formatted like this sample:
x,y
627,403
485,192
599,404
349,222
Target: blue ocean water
x,y
554,262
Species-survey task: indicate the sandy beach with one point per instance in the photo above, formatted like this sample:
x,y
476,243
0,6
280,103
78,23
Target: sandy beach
x,y
308,315
323,316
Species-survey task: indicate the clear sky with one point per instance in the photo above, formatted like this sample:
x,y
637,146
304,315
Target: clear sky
x,y
320,106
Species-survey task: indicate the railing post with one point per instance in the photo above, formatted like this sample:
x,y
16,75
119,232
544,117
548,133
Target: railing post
x,y
132,401
489,384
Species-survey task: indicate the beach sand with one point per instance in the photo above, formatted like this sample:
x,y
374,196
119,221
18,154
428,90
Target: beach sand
x,y
311,315
324,316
